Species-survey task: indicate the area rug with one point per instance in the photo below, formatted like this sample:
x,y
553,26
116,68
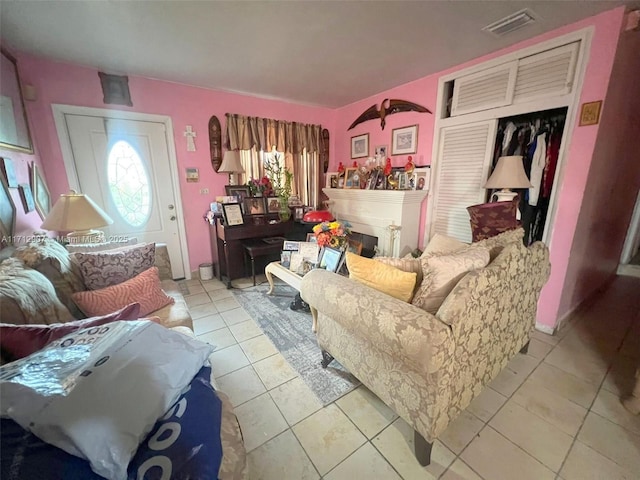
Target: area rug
x,y
290,331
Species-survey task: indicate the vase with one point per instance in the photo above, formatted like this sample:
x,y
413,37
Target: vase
x,y
284,212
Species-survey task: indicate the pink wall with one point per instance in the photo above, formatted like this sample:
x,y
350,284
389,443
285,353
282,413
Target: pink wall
x,y
606,27
612,183
58,83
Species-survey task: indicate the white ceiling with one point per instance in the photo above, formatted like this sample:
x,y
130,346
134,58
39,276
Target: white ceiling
x,y
328,53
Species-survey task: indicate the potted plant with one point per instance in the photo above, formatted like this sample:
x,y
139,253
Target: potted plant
x,y
280,178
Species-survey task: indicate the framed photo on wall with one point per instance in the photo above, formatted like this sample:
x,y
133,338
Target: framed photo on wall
x,y
40,192
404,140
360,146
590,113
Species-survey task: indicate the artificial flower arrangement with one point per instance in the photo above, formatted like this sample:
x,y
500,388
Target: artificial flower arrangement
x,y
332,234
279,176
260,187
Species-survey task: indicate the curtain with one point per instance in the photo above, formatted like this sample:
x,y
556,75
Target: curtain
x,y
299,142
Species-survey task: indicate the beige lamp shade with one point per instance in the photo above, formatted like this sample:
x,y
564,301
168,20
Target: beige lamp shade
x,y
231,165
77,213
509,173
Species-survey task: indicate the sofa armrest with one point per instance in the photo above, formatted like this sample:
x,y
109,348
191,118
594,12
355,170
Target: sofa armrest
x,y
393,326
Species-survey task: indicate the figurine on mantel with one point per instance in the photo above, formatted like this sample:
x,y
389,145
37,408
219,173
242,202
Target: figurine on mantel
x,y
387,167
409,167
340,168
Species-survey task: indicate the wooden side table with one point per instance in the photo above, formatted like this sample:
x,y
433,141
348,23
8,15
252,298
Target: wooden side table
x,y
290,278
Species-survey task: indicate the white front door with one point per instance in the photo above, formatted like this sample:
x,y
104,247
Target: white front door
x,y
123,165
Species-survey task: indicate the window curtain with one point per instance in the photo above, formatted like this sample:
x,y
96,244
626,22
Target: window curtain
x,y
299,142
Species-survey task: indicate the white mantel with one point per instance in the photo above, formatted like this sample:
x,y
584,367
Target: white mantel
x,y
377,212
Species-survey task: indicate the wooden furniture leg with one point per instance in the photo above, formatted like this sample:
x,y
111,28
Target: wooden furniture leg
x,y
422,449
267,272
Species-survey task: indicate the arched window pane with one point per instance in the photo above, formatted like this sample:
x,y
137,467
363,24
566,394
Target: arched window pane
x,y
129,184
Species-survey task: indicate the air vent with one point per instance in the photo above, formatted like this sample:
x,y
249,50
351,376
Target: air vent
x,y
511,23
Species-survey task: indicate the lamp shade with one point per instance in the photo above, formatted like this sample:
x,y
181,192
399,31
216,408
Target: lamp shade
x,y
231,162
509,173
75,211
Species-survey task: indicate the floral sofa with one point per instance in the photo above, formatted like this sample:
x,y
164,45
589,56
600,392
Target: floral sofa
x,y
37,286
429,366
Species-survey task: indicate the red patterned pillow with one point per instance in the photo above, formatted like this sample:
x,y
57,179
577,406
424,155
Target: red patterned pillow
x,y
490,219
144,289
19,341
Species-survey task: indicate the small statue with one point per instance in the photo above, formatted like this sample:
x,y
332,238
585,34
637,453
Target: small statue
x,y
340,168
409,166
387,167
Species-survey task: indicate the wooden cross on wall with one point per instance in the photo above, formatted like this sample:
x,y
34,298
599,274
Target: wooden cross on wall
x,y
190,134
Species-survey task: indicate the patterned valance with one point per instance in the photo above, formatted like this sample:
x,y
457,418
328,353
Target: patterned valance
x,y
243,133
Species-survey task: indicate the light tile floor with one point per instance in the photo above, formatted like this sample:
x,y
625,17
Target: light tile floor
x,y
551,414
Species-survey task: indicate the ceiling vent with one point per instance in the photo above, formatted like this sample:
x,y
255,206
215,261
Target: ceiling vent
x,y
512,22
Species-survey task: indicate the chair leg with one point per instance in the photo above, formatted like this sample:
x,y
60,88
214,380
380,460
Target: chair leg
x,y
253,270
327,358
524,350
422,449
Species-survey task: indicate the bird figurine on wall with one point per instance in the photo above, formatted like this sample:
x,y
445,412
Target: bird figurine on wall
x,y
394,106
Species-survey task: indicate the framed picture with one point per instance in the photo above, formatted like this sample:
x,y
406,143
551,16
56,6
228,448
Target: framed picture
x,y
9,173
7,214
420,179
311,238
255,206
40,192
354,246
330,259
404,140
382,151
14,133
351,178
332,180
115,89
590,113
192,175
373,179
360,146
27,197
239,191
232,214
403,181
273,204
298,213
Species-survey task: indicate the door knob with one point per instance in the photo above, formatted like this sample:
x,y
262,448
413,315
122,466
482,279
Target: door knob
x,y
171,207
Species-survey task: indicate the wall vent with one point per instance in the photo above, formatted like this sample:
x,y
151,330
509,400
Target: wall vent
x,y
510,23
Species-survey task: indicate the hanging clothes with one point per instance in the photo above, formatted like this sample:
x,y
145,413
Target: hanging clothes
x,y
509,130
538,163
553,152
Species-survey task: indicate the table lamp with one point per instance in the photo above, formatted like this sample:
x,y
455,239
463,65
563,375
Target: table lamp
x,y
77,214
231,165
509,173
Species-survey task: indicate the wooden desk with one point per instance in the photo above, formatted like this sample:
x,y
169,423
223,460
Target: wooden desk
x,y
227,242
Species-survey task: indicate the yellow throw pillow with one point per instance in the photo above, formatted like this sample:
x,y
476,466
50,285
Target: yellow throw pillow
x,y
383,278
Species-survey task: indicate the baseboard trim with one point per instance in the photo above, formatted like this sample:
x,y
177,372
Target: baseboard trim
x,y
544,328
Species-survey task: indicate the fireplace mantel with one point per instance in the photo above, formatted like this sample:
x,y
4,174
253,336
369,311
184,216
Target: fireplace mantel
x,y
378,213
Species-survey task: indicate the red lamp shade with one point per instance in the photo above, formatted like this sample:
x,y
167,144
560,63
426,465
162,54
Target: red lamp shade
x,y
317,216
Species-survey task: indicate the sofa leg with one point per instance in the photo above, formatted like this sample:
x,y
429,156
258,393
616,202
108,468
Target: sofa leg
x,y
327,358
422,449
524,350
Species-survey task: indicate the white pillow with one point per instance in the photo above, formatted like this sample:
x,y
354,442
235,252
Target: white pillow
x,y
129,376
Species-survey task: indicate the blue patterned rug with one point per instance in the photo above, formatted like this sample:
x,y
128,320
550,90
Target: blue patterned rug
x,y
290,331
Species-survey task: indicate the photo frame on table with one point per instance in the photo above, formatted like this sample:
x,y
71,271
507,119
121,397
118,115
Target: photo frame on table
x,y
354,246
239,191
360,146
41,195
27,197
273,204
311,238
298,214
421,178
404,140
7,214
590,113
232,213
372,180
331,259
6,164
351,178
332,180
255,206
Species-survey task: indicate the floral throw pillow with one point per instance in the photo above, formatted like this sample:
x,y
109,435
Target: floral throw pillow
x,y
144,289
111,267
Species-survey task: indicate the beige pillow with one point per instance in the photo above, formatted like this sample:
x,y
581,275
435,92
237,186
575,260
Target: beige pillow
x,y
441,273
497,243
406,264
383,278
440,244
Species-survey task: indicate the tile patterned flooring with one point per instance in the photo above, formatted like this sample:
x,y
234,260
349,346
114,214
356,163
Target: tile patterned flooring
x,y
551,414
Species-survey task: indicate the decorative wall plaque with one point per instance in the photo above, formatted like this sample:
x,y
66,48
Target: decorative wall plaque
x,y
215,142
115,89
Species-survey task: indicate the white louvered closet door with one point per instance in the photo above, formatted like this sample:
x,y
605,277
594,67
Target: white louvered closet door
x,y
463,162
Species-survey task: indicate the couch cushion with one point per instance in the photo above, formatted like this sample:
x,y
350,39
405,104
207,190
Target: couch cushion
x,y
52,260
406,264
497,243
20,341
144,289
491,219
27,296
111,267
442,272
440,244
177,313
382,277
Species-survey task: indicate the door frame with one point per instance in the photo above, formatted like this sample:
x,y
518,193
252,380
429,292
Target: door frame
x,y
59,112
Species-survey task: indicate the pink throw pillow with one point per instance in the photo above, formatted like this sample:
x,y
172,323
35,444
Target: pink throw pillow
x,y
19,341
144,289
